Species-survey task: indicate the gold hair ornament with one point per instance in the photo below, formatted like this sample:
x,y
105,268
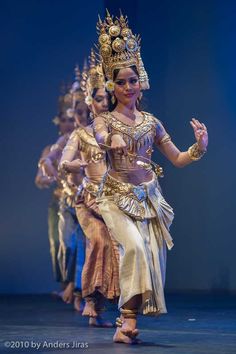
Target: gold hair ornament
x,y
92,78
119,48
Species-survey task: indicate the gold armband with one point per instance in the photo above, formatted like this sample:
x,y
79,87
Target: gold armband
x,y
69,147
165,139
195,153
55,147
97,127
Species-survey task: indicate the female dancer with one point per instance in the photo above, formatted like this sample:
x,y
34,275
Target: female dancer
x,y
65,126
131,203
69,230
100,272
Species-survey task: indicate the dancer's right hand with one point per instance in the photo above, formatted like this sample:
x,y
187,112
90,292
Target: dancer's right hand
x,y
49,170
43,182
75,166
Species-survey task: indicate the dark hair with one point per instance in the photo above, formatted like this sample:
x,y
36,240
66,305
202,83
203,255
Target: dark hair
x,y
112,106
95,90
85,107
116,72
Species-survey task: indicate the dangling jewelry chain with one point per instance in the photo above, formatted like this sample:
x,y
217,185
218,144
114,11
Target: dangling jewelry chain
x,y
157,168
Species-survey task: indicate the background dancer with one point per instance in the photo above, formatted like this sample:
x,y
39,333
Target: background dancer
x,y
65,126
69,230
100,272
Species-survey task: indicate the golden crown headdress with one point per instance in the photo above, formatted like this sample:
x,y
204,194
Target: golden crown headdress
x,y
74,95
93,78
76,89
64,103
119,48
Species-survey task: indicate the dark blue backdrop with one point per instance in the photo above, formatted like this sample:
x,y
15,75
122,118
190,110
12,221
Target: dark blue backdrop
x,y
189,52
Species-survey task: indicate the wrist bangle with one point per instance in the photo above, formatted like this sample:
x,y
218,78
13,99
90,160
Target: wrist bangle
x,y
62,165
195,153
42,161
107,140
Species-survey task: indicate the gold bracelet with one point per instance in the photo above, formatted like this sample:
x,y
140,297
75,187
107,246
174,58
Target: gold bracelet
x,y
195,153
42,161
62,165
107,140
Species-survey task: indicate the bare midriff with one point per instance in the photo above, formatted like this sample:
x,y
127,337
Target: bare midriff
x,y
139,140
95,171
125,168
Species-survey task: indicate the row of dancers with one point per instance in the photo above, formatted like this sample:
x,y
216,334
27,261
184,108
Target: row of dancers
x,y
108,220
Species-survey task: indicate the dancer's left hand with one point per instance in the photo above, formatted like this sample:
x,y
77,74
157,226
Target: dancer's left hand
x,y
200,132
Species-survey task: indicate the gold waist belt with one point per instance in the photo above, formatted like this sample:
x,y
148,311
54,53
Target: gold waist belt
x,y
90,187
128,197
113,186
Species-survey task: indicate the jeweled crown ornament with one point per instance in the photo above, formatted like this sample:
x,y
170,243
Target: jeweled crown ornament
x,y
119,47
93,78
76,90
64,103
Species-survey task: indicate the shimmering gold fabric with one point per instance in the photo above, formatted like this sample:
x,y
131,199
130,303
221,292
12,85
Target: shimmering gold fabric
x,y
101,267
142,242
83,141
139,141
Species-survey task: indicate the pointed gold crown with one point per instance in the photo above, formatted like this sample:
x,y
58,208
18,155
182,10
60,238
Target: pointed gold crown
x,y
74,94
76,90
64,103
65,99
92,78
119,48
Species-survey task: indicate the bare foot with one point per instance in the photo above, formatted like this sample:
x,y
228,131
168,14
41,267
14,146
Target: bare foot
x,y
100,322
119,337
89,308
78,304
68,293
129,328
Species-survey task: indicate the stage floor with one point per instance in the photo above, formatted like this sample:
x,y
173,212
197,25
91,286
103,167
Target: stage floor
x,y
195,323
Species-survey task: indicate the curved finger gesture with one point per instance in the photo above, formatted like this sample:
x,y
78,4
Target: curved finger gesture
x,y
200,132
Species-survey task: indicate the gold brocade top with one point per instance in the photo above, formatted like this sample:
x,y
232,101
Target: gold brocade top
x,y
83,140
139,140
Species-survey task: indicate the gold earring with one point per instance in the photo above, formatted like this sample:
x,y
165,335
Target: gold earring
x,y
113,99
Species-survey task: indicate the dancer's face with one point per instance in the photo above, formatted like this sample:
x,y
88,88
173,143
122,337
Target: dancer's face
x,y
66,124
127,86
81,114
100,102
